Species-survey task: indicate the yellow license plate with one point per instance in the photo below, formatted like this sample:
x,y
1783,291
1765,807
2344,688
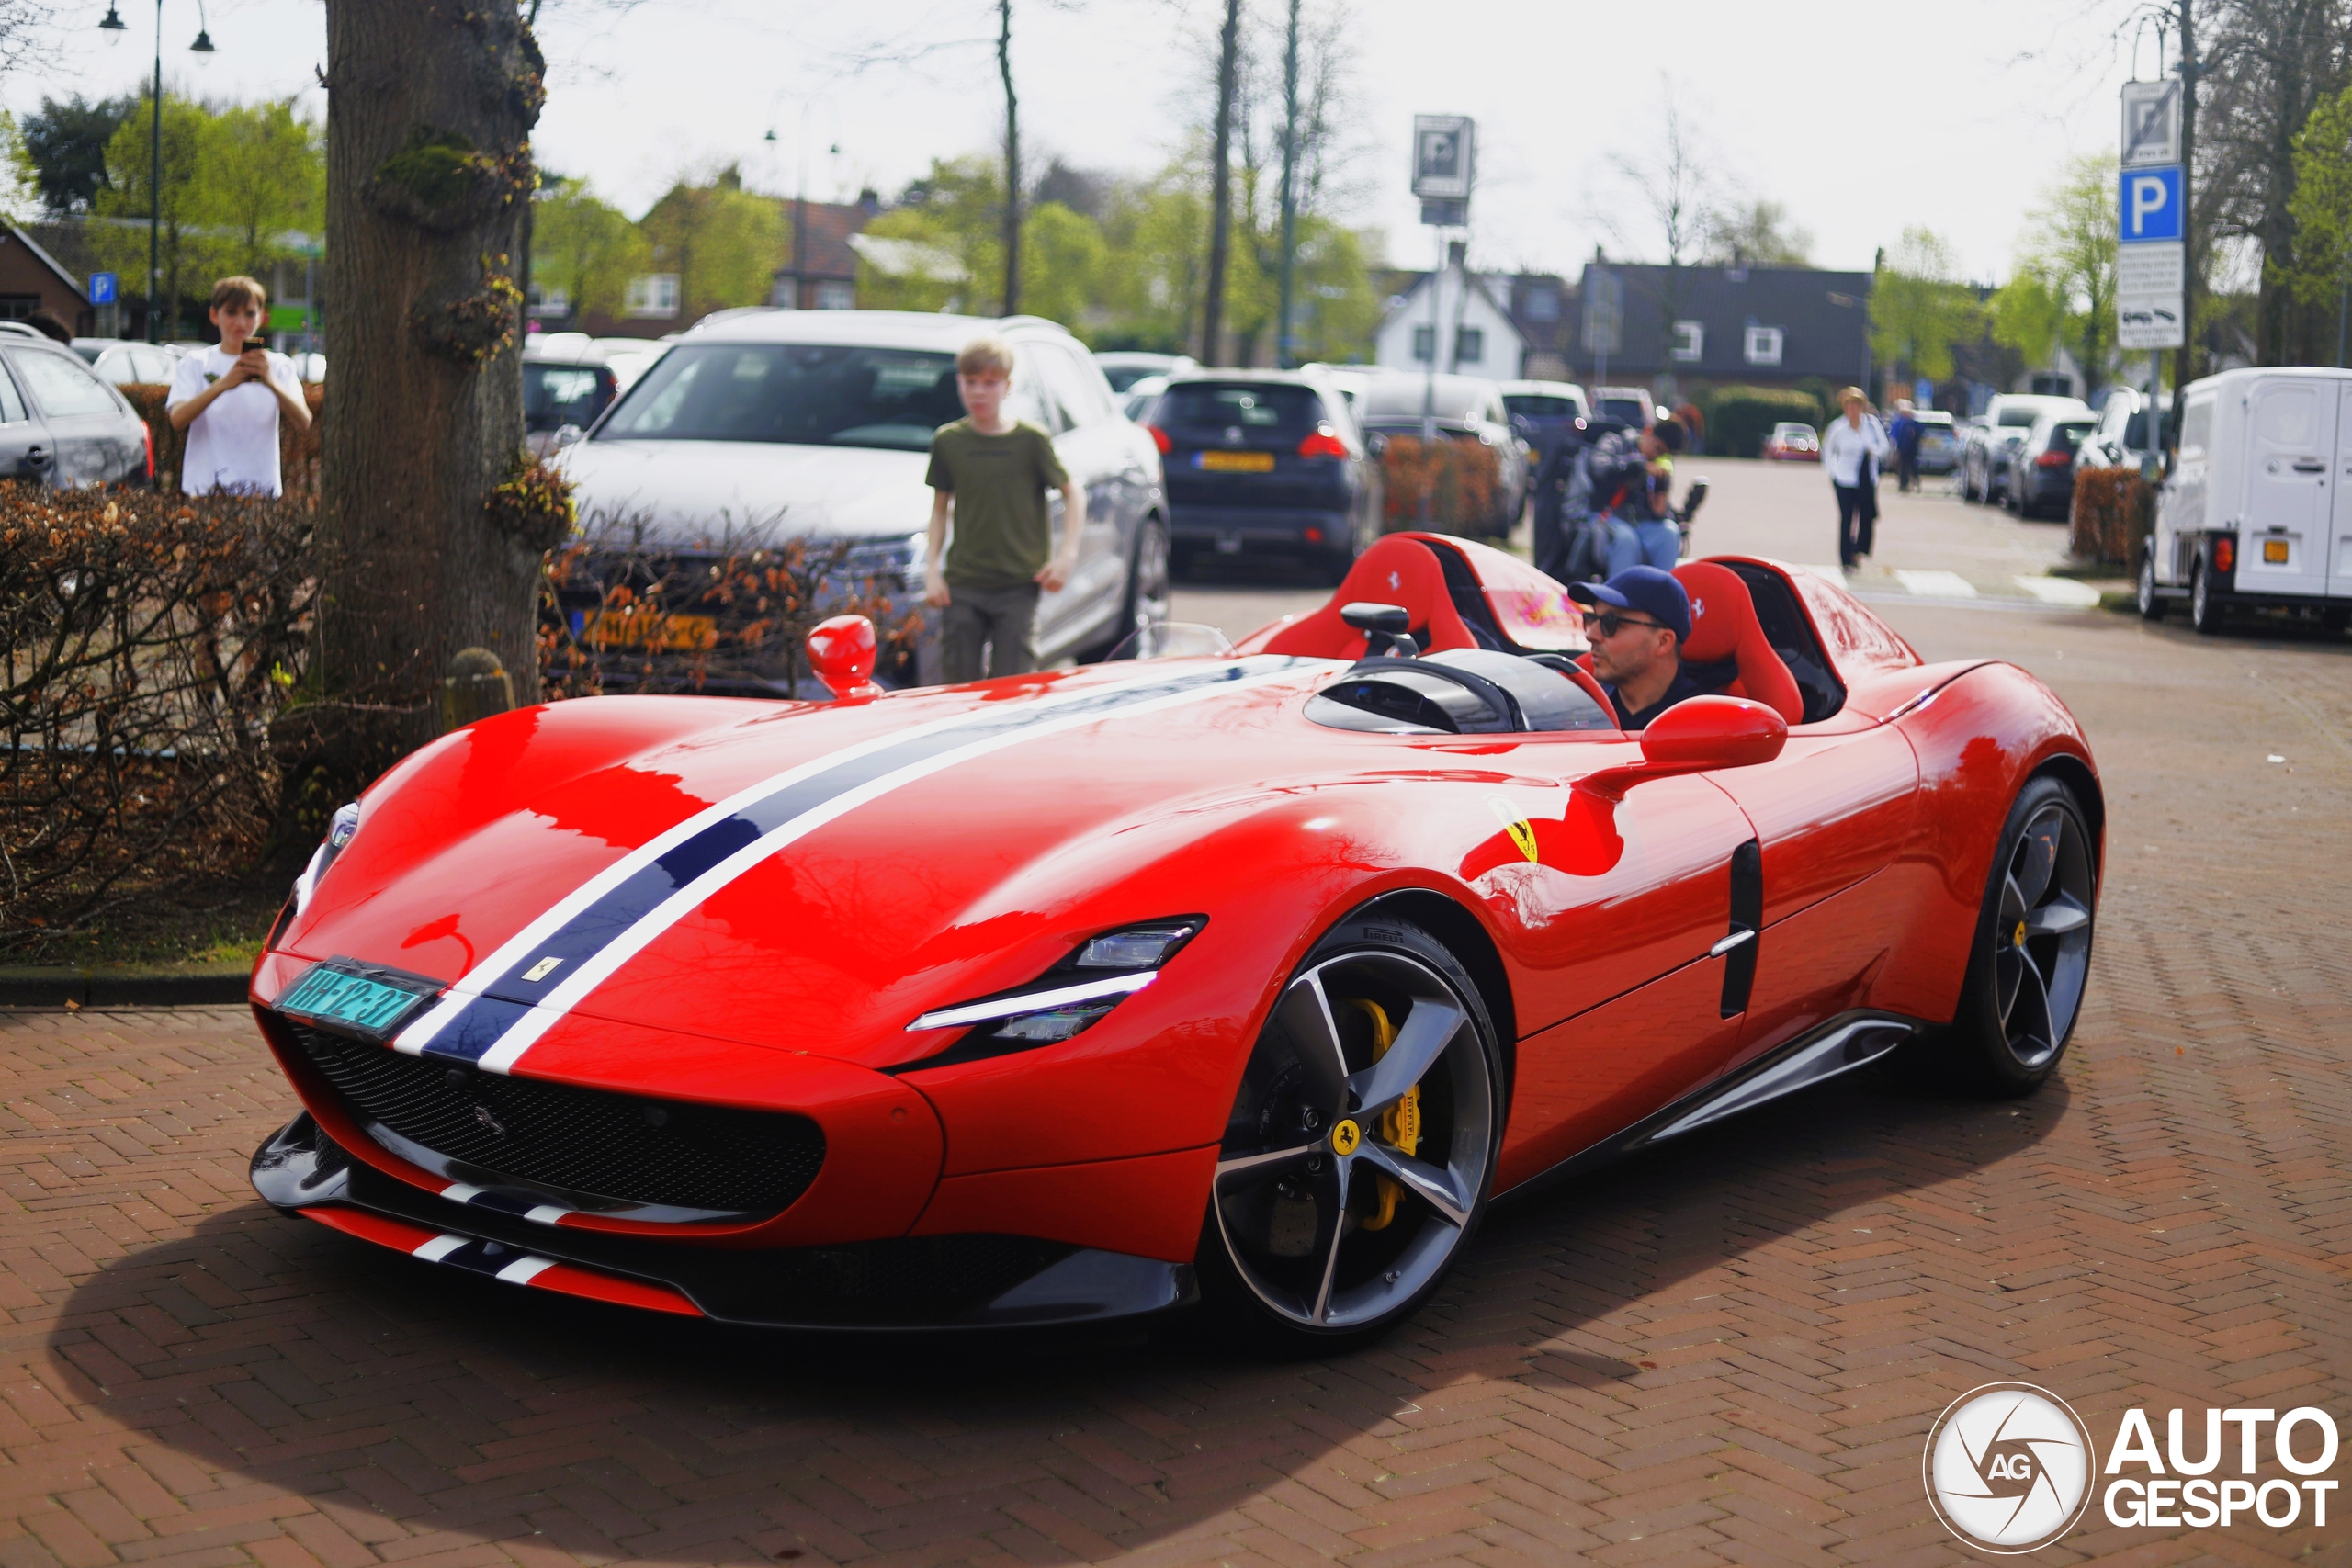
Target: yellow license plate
x,y
1236,462
622,628
2274,551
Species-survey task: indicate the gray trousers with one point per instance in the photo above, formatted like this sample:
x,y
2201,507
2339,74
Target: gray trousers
x,y
1004,621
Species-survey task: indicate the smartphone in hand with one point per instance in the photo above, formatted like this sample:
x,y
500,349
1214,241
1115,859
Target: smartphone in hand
x,y
255,345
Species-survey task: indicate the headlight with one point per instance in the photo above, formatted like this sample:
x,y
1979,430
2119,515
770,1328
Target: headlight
x,y
344,823
1065,1001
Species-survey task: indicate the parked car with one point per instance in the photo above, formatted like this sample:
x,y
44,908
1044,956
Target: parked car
x,y
2246,517
628,357
1939,441
2038,474
568,382
1469,412
1625,408
1792,443
1988,439
2121,439
123,364
61,424
1546,414
1123,367
1266,463
815,426
1137,400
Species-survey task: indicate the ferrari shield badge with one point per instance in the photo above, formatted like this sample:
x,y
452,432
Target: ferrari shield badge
x,y
1514,824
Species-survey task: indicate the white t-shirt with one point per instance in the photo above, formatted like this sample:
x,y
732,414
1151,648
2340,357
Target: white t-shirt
x,y
233,446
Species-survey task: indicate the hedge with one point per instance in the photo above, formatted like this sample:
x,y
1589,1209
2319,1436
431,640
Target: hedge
x,y
298,450
1464,490
2114,510
1743,416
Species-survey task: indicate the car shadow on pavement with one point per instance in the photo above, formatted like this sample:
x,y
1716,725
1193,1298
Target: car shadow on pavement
x,y
303,1380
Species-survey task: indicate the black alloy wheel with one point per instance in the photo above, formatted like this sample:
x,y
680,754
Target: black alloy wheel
x,y
2149,603
2033,952
2205,612
1356,1163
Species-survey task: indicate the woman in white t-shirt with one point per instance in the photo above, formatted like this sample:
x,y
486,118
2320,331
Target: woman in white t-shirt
x,y
230,399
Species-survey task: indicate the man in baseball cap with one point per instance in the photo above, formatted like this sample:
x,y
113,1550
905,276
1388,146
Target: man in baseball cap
x,y
1636,622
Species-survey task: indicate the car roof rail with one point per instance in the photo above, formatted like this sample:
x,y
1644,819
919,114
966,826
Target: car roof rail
x,y
1032,322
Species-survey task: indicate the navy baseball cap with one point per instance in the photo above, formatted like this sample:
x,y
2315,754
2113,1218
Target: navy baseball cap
x,y
1655,594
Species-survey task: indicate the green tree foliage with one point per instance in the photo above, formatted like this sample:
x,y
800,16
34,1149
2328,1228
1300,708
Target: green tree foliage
x,y
957,212
65,149
584,247
1756,232
1920,307
724,243
131,192
2322,206
2063,290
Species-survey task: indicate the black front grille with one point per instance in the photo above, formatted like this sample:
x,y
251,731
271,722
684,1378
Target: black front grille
x,y
626,1148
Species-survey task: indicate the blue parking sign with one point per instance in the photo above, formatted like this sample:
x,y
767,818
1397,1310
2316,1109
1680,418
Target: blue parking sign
x,y
102,289
2149,204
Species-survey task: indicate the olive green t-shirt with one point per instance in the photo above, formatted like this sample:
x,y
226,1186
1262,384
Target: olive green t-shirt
x,y
1002,537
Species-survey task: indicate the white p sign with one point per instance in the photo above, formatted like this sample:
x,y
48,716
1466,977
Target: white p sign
x,y
2151,205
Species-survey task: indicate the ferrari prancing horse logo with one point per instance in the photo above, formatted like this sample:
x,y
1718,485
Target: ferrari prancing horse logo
x,y
1515,824
1345,1137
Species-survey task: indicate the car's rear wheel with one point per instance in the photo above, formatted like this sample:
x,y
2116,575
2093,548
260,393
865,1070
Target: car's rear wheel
x,y
1356,1163
2150,603
2205,610
2033,949
1968,487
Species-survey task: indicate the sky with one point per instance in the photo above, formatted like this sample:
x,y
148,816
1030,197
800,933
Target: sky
x,y
1861,122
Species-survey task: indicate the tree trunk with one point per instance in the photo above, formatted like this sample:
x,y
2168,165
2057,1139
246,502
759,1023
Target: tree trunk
x,y
1012,159
1228,66
431,104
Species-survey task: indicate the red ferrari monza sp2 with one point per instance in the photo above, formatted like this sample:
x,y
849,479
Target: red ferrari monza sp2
x,y
1245,979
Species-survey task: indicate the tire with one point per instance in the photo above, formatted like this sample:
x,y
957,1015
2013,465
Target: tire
x,y
1967,491
2031,953
2206,612
2150,603
1312,1245
1149,568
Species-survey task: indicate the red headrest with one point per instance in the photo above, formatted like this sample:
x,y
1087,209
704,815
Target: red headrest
x,y
1399,571
1723,626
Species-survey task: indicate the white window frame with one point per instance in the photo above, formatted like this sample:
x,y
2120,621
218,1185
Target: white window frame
x,y
1764,346
1690,341
1465,338
833,294
653,296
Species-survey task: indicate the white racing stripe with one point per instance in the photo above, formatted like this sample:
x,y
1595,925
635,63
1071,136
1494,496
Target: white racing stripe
x,y
525,1031
528,941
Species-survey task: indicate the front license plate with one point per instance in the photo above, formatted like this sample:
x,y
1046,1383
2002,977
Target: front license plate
x,y
361,999
2274,552
1234,462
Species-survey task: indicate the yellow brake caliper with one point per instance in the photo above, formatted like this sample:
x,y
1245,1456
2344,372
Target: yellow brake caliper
x,y
1400,1124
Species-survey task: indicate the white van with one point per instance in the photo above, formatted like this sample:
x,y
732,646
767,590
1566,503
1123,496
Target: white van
x,y
2258,509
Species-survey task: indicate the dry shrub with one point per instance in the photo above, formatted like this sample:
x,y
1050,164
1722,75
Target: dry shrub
x,y
149,640
298,450
1461,474
2114,509
618,617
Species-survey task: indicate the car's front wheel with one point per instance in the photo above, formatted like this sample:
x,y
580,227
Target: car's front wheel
x,y
1145,603
2150,603
1356,1163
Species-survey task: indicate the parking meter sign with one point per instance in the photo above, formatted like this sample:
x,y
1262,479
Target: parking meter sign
x,y
102,289
2148,205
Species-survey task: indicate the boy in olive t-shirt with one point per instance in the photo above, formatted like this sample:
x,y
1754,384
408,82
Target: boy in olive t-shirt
x,y
994,472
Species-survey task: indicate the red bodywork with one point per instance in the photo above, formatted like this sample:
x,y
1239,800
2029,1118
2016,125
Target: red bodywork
x,y
791,985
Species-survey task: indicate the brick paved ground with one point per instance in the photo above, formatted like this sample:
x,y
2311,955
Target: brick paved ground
x,y
1728,1351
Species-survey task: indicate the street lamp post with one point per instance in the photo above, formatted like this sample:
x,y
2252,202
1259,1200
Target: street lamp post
x,y
113,26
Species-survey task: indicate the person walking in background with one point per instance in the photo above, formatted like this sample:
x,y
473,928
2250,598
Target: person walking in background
x,y
1905,436
990,475
1694,425
231,398
1851,449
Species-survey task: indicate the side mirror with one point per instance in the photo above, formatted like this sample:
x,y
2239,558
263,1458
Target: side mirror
x,y
841,652
1697,737
566,434
1377,444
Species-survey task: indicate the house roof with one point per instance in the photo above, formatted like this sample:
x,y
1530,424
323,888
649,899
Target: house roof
x,y
828,252
1414,282
33,245
1823,316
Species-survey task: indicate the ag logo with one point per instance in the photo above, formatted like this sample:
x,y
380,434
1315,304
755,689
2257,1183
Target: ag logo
x,y
2008,1468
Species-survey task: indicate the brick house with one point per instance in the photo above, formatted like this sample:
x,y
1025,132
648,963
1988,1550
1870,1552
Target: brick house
x,y
32,280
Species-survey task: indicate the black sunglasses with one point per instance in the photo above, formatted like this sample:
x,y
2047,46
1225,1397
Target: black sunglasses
x,y
1608,622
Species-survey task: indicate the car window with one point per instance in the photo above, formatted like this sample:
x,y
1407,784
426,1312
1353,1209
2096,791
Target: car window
x,y
802,394
62,387
558,395
155,366
2020,415
2068,437
1536,407
1075,386
12,406
1204,409
2135,430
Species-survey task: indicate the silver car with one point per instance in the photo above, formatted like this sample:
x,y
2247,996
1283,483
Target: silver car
x,y
771,426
